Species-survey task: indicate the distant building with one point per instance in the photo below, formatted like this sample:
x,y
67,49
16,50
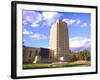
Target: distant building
x,y
59,39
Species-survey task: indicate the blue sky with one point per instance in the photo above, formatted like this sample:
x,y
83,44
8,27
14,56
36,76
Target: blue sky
x,y
37,25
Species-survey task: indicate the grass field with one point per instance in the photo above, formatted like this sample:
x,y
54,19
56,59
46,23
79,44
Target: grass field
x,y
56,65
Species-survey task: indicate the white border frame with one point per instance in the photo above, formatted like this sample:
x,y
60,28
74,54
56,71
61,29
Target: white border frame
x,y
37,72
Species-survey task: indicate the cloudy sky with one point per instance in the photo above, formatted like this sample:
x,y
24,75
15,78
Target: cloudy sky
x,y
37,25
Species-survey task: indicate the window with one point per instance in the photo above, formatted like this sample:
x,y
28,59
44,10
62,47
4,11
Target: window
x,y
30,53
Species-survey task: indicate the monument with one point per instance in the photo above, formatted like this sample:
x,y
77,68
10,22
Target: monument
x,y
59,40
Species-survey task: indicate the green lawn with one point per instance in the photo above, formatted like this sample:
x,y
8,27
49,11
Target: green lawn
x,y
56,65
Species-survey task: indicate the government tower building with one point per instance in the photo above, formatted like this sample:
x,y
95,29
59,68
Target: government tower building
x,y
59,46
59,40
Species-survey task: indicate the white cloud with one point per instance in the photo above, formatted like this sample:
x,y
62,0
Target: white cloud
x,y
38,36
34,18
78,22
31,17
50,17
35,25
77,42
27,32
75,22
24,22
84,25
72,21
31,32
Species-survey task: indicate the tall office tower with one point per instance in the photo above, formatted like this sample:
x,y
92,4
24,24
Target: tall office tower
x,y
59,39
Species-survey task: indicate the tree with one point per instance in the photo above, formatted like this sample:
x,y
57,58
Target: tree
x,y
70,57
83,55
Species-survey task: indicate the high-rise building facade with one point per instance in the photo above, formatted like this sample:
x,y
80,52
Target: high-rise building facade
x,y
59,39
